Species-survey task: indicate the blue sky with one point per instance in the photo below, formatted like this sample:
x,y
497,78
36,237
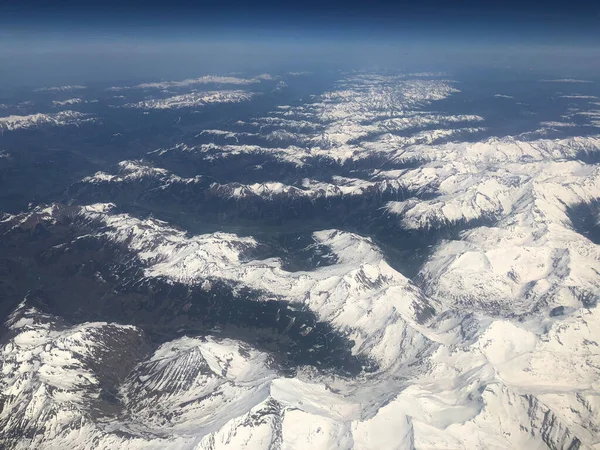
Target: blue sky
x,y
112,39
549,20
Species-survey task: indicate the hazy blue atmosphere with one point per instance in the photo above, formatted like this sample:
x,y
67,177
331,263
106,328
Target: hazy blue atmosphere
x,y
81,41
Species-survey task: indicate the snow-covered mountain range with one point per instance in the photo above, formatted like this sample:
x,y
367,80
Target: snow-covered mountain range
x,y
62,118
354,270
194,99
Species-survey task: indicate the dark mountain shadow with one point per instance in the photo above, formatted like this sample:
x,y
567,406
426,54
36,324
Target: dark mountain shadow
x,y
88,278
585,218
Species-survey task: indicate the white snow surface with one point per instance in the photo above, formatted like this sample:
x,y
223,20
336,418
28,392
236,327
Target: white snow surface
x,y
194,99
72,87
69,101
450,381
343,123
205,79
361,294
62,118
469,355
566,80
505,385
